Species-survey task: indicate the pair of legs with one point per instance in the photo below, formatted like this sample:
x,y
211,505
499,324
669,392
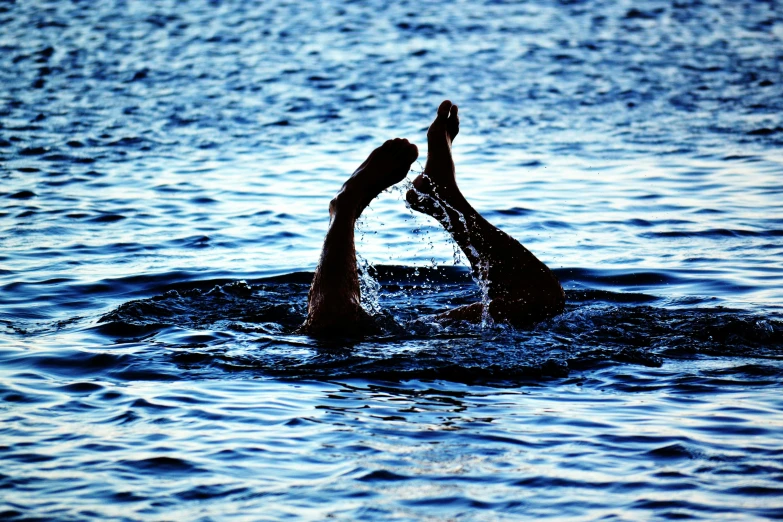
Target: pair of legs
x,y
521,290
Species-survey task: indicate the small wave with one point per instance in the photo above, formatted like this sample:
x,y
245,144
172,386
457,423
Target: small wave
x,y
23,194
108,218
618,278
164,465
715,233
672,452
208,492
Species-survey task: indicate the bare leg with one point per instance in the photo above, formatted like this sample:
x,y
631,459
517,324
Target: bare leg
x,y
521,289
333,305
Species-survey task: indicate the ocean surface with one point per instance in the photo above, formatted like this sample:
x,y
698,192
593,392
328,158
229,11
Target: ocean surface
x,y
165,173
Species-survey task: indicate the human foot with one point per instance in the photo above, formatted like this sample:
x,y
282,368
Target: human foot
x,y
436,187
445,127
385,166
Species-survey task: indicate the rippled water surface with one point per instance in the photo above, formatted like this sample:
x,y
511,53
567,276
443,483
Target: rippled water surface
x,y
165,172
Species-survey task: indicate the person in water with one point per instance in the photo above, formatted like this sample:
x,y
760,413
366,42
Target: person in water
x,y
521,290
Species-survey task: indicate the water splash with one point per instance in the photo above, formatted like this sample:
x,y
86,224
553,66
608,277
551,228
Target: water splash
x,y
481,278
480,272
369,287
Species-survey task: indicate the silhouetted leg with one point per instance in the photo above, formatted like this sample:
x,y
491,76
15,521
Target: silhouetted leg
x,y
334,302
521,289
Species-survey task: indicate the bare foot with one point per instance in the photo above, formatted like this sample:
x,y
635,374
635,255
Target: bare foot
x,y
385,166
437,185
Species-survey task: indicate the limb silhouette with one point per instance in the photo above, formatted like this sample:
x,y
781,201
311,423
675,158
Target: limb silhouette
x,y
521,289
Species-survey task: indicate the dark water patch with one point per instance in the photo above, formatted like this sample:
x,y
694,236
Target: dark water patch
x,y
108,218
735,430
33,151
756,373
618,278
551,224
111,395
127,141
755,491
23,397
598,330
672,452
146,405
598,358
30,458
73,363
127,417
547,482
64,182
714,233
59,158
142,372
237,302
661,506
191,242
123,496
531,163
102,448
185,399
639,223
163,465
742,158
144,284
215,491
635,13
765,131
23,194
82,388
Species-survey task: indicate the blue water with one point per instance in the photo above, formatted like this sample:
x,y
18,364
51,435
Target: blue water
x,y
165,173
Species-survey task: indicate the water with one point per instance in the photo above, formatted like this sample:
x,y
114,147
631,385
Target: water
x,y
165,173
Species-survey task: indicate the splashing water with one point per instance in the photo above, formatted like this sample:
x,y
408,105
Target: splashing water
x,y
481,274
368,286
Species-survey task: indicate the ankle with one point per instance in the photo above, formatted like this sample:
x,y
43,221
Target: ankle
x,y
344,203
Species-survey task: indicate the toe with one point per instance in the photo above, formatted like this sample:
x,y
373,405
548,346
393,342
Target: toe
x,y
402,150
406,149
453,124
413,152
443,110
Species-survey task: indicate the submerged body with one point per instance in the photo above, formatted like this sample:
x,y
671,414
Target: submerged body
x,y
520,289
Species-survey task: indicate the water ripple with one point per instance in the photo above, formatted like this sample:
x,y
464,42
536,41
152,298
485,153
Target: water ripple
x,y
166,169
